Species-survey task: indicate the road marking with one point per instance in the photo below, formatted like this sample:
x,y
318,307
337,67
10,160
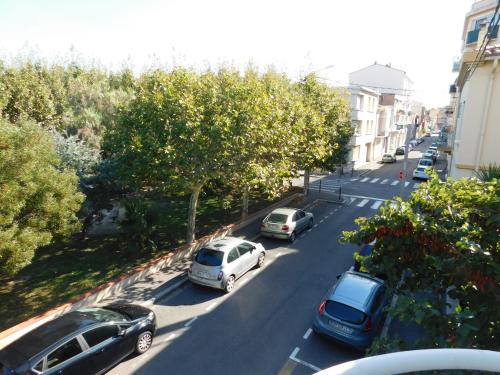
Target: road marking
x,y
376,205
374,180
307,334
352,200
362,203
385,181
278,254
353,197
354,179
190,322
321,221
365,179
406,183
416,185
288,368
309,230
315,226
293,357
211,306
394,183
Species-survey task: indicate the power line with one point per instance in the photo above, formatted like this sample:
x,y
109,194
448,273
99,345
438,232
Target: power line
x,y
495,18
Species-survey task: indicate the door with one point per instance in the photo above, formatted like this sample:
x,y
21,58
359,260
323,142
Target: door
x,y
247,255
106,346
69,358
233,263
299,218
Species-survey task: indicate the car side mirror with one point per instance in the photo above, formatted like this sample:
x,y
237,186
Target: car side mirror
x,y
338,276
122,332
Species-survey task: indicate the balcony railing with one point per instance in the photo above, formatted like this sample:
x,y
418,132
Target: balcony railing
x,y
472,36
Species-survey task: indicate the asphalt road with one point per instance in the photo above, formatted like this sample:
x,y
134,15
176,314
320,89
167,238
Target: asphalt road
x,y
263,326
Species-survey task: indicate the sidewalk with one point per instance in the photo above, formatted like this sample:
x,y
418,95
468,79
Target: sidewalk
x,y
158,285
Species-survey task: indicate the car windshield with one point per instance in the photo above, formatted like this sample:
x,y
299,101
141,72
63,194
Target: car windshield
x,y
345,313
209,257
425,162
105,315
421,169
277,218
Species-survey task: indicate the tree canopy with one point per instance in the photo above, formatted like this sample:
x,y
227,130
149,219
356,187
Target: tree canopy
x,y
39,200
446,241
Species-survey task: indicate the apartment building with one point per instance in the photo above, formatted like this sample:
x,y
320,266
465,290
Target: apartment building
x,y
365,144
394,110
472,139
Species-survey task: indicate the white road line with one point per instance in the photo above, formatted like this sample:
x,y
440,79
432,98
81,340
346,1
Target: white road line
x,y
293,357
190,322
211,306
321,221
416,185
315,226
394,183
309,230
407,183
362,203
374,180
365,179
353,197
354,179
376,205
307,334
385,181
170,337
352,200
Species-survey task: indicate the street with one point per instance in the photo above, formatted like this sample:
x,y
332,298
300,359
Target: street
x,y
263,326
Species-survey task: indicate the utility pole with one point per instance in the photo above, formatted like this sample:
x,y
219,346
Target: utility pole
x,y
409,135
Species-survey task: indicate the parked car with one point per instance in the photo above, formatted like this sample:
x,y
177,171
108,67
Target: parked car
x,y
427,133
286,223
429,155
434,144
351,311
421,173
434,153
400,150
420,140
425,163
414,143
219,263
86,341
389,158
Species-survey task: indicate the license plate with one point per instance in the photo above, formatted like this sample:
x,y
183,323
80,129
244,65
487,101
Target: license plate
x,y
340,327
203,274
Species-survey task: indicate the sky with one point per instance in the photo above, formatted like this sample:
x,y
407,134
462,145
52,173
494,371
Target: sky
x,y
296,37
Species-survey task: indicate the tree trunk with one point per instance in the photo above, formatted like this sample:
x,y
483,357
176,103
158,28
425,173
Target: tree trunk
x,y
244,209
193,202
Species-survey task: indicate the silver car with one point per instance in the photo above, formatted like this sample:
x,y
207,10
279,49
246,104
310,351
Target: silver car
x,y
286,223
221,262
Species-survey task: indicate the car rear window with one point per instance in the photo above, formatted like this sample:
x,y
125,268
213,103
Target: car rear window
x,y
277,218
421,169
209,257
345,313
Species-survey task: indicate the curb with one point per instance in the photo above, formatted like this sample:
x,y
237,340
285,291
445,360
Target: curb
x,y
166,291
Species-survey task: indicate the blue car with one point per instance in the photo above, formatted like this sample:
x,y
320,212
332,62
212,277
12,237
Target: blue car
x,y
352,310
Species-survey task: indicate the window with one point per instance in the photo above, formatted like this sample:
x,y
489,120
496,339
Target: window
x,y
244,248
343,312
356,124
301,214
377,300
361,102
105,314
98,335
39,366
209,257
63,353
233,255
277,218
355,153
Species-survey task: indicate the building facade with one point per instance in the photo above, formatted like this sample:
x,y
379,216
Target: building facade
x,y
472,140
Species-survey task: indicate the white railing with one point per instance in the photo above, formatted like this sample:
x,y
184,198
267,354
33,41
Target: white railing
x,y
420,360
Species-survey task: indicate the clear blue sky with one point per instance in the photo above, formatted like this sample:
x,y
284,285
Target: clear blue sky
x,y
420,37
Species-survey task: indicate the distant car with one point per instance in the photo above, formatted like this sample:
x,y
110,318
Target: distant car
x,y
86,341
427,133
434,152
286,223
414,143
219,263
421,173
420,140
434,144
400,150
429,155
388,158
352,310
425,163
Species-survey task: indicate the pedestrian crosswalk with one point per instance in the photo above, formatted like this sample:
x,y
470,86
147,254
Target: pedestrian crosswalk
x,y
373,203
333,185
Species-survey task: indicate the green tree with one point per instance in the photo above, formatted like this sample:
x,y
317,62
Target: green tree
x,y
38,199
446,240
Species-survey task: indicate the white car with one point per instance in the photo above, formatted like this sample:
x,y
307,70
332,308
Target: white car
x,y
286,223
425,163
420,173
219,263
388,158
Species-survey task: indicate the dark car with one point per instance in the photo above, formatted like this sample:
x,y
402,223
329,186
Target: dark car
x,y
86,341
400,151
352,310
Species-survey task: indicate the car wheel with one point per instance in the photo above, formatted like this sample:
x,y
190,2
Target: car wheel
x,y
311,223
144,342
229,284
292,237
260,260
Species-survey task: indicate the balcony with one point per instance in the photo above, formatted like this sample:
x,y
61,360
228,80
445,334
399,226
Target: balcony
x,y
472,36
453,89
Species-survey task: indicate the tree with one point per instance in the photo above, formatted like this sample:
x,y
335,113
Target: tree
x,y
38,199
446,241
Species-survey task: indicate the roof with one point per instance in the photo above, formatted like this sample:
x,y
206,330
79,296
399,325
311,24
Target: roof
x,y
354,289
224,243
50,333
284,211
